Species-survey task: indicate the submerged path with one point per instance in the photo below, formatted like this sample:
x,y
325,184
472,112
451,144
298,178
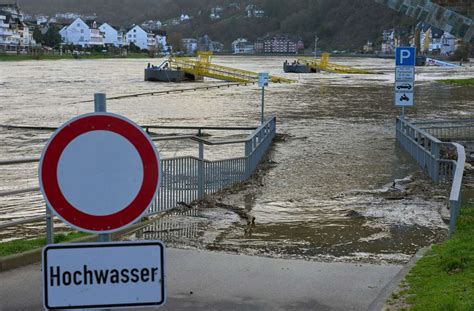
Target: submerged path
x,y
215,281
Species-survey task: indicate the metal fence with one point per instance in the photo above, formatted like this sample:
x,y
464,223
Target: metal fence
x,y
185,179
442,161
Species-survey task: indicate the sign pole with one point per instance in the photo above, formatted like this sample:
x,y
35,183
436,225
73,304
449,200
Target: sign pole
x,y
263,105
100,105
263,78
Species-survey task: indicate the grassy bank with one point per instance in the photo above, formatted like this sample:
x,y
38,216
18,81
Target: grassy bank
x,y
444,278
461,82
15,58
20,246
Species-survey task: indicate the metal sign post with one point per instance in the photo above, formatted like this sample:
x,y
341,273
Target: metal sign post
x,y
100,173
263,79
405,78
100,105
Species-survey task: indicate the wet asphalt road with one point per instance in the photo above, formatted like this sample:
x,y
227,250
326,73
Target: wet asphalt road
x,y
214,281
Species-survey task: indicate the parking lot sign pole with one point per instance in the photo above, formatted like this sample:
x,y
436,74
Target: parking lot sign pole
x,y
263,79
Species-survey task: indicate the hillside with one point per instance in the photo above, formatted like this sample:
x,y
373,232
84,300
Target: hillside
x,y
340,24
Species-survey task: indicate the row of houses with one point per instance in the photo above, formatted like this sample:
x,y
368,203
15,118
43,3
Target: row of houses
x,y
276,44
15,34
80,33
429,40
270,44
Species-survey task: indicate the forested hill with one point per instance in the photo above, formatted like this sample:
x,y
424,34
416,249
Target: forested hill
x,y
340,24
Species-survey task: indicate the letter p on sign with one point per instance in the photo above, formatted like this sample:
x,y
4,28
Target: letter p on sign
x,y
405,56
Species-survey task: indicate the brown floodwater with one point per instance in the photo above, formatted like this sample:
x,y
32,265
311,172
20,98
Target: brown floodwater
x,y
324,193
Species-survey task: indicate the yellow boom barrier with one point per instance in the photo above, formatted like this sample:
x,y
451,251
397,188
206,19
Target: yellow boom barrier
x,y
202,67
324,65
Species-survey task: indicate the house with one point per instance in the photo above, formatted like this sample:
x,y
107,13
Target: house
x,y
205,44
77,33
190,45
279,44
215,14
242,46
5,32
15,34
147,40
448,44
138,37
151,25
368,47
253,11
390,41
112,37
97,37
160,39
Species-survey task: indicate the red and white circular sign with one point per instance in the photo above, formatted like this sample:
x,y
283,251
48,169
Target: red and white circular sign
x,y
100,172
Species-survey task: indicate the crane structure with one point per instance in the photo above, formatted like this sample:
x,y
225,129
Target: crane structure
x,y
203,67
436,15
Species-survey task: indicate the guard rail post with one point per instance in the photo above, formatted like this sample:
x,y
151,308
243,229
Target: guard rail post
x,y
201,172
248,152
435,152
454,207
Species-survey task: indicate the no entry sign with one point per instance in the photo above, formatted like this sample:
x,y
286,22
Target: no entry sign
x,y
99,172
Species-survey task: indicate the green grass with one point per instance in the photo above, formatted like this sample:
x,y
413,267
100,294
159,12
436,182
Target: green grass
x,y
444,278
15,58
20,246
461,82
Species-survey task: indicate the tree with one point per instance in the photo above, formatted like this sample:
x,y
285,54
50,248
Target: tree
x,y
38,36
133,48
52,38
174,40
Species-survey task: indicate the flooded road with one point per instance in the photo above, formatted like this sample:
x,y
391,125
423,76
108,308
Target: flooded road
x,y
326,193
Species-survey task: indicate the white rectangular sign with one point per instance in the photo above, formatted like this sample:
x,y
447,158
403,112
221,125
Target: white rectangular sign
x,y
263,79
103,275
403,99
405,74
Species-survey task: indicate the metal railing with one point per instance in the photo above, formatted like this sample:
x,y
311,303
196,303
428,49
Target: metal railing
x,y
442,161
185,179
459,130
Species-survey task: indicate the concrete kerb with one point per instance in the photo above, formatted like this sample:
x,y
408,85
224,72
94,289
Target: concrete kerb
x,y
33,256
380,302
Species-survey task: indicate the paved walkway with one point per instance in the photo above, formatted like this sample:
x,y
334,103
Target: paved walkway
x,y
198,280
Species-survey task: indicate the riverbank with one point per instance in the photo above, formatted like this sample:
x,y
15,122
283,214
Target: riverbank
x,y
444,278
15,58
459,82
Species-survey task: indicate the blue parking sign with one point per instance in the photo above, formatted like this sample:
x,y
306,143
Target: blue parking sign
x,y
405,56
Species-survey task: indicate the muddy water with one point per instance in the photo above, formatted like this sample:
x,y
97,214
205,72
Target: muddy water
x,y
326,192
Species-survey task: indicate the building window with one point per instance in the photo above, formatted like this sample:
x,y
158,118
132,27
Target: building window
x,y
78,25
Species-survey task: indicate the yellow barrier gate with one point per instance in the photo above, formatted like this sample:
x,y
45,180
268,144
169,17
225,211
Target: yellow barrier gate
x,y
324,65
202,67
